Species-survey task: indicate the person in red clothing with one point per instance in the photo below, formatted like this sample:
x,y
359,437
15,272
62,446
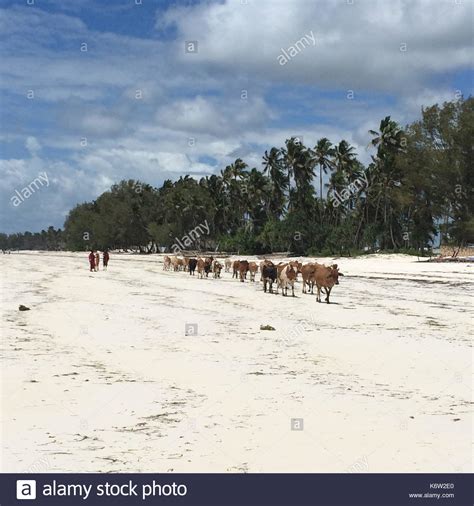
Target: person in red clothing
x,y
105,259
92,260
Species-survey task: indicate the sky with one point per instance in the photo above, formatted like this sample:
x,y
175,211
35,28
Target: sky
x,y
93,91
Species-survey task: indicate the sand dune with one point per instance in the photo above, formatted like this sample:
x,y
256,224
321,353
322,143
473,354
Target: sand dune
x,y
100,376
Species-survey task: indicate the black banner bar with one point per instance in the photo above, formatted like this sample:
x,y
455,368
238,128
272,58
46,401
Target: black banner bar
x,y
237,489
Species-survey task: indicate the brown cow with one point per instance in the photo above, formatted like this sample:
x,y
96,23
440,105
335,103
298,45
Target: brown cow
x,y
235,268
326,277
307,272
174,263
243,269
253,268
297,266
200,267
166,263
228,264
186,263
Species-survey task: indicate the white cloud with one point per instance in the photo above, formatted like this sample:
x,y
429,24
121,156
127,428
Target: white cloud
x,y
214,116
93,94
412,104
358,44
32,145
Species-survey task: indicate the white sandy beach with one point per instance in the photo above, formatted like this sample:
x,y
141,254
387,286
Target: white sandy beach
x,y
100,376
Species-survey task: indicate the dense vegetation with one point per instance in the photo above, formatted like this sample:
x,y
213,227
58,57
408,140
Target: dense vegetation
x,y
50,239
419,183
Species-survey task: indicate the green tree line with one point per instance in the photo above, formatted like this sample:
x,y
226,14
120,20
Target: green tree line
x,y
418,185
50,239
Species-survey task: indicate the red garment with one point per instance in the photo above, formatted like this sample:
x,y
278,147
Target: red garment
x,y
92,260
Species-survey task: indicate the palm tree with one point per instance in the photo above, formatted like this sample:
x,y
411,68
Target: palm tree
x,y
299,165
215,186
389,138
344,157
234,171
274,169
256,198
304,169
234,178
346,168
389,142
322,156
291,154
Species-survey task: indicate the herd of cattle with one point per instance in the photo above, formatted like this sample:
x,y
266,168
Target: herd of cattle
x,y
284,274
